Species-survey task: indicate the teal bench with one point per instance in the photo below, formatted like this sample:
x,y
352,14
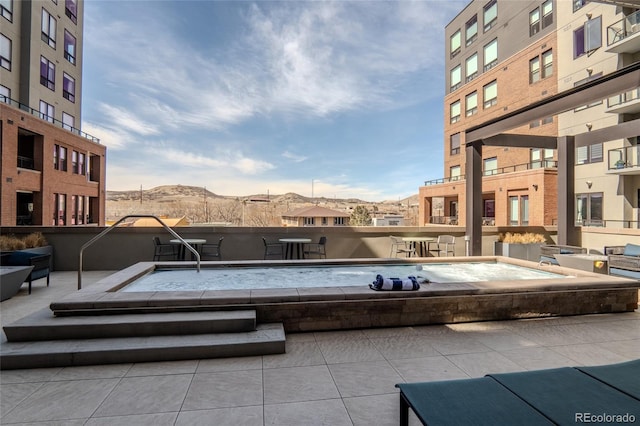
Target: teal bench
x,y
561,396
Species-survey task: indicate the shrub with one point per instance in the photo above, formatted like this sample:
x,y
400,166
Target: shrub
x,y
526,238
11,242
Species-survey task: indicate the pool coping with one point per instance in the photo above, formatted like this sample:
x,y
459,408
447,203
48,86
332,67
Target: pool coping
x,y
103,296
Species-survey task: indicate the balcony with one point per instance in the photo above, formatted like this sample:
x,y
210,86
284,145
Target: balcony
x,y
625,103
624,35
547,164
624,161
57,123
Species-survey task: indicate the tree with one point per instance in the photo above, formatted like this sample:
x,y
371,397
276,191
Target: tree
x,y
360,217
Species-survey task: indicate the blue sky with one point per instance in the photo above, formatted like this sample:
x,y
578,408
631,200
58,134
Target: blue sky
x,y
268,96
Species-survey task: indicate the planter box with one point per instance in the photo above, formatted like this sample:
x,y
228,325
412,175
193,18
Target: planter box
x,y
530,251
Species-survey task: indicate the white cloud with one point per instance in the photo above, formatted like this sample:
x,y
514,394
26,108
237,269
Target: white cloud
x,y
110,138
223,161
294,157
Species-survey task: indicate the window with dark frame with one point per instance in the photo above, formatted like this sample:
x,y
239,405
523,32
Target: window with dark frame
x,y
578,4
589,209
490,92
455,112
68,87
471,103
534,22
6,9
69,47
471,30
471,67
48,28
454,141
534,70
5,52
46,111
47,73
456,77
547,13
490,54
455,42
71,10
547,63
490,15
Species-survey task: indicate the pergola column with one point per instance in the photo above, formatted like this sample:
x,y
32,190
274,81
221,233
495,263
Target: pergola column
x,y
473,223
567,231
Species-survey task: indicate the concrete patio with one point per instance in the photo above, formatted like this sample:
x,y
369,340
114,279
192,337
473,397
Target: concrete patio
x,y
330,378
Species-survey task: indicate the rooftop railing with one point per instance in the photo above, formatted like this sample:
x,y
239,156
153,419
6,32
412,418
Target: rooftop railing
x,y
547,164
623,98
45,117
625,157
623,28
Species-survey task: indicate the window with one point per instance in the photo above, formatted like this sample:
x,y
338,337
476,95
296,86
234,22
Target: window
x,y
547,120
454,142
589,154
491,54
490,15
5,94
541,158
456,77
82,163
71,10
593,34
68,122
455,42
454,173
60,158
524,210
46,111
455,112
547,13
80,210
534,22
589,208
338,220
578,4
5,52
48,29
490,94
6,9
518,210
547,63
59,210
471,103
68,87
534,70
309,221
471,66
69,47
490,166
471,30
47,73
74,162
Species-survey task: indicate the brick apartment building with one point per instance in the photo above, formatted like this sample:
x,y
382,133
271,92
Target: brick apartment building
x,y
499,57
52,173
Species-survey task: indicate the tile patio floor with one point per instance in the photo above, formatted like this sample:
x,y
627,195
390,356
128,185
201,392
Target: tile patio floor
x,y
328,378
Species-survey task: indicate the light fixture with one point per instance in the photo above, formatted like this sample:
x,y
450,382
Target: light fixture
x,y
589,183
535,186
589,71
589,126
589,16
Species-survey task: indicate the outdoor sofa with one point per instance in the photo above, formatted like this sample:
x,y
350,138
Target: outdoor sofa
x,y
547,252
624,260
41,264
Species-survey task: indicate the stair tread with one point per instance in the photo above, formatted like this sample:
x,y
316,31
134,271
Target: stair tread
x,y
263,333
45,318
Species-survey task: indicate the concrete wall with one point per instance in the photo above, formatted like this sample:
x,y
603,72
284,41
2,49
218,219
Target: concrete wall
x,y
123,247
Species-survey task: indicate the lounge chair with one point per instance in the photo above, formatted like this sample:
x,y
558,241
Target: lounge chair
x,y
444,245
211,251
273,249
547,252
317,249
626,262
166,251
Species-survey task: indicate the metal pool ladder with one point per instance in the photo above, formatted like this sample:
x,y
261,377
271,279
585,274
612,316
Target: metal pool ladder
x,y
109,229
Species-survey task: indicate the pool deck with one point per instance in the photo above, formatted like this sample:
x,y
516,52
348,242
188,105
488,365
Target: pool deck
x,y
337,377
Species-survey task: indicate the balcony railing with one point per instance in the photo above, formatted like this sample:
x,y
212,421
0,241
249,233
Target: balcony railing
x,y
625,157
547,164
37,113
624,28
623,98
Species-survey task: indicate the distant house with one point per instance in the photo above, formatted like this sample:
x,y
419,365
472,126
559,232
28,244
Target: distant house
x,y
389,220
315,216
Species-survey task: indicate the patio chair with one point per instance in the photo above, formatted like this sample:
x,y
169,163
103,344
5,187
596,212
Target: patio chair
x,y
444,245
398,246
211,251
273,249
164,251
319,249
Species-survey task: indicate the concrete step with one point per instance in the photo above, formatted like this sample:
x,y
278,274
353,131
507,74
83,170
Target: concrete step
x,y
265,340
42,325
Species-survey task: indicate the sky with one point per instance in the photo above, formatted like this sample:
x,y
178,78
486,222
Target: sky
x,y
332,99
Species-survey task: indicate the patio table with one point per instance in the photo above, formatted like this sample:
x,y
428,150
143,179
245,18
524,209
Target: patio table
x,y
194,242
420,244
294,246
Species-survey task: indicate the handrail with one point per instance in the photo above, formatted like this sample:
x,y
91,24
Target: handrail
x,y
109,229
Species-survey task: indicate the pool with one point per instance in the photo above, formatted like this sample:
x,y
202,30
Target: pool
x,y
345,301
241,278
